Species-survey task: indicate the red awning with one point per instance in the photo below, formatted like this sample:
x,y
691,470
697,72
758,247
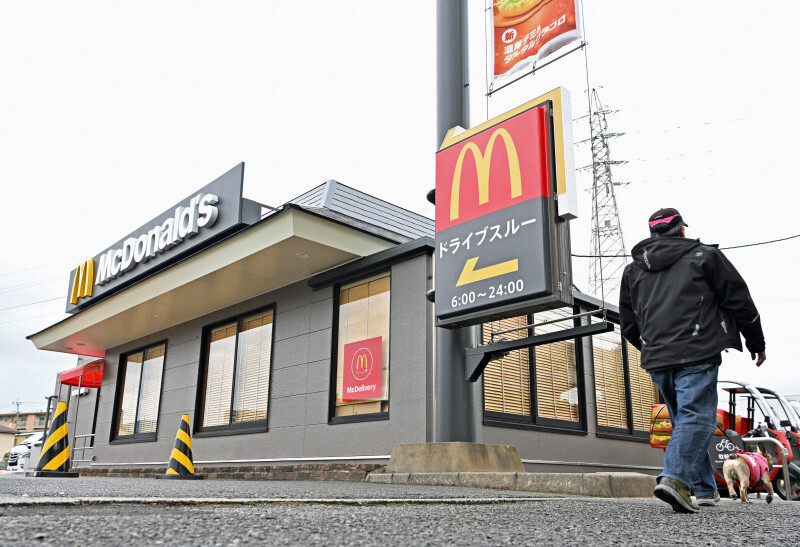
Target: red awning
x,y
89,375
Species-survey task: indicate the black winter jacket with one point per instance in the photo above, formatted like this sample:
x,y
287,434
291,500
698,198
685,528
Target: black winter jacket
x,y
682,302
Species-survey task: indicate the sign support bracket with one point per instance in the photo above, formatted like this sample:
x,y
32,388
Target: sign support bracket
x,y
476,359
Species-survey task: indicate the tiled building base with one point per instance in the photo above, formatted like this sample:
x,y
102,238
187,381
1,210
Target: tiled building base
x,y
307,472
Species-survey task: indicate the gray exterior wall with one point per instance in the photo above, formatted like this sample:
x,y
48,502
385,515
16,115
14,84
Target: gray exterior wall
x,y
300,382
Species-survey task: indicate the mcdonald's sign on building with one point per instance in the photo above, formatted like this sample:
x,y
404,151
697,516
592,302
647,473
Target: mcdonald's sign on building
x,y
201,218
362,369
504,195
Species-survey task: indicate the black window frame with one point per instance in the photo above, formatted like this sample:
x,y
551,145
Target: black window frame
x,y
233,428
152,436
535,422
358,418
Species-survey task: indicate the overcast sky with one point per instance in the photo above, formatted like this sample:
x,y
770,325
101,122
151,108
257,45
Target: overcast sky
x,y
111,112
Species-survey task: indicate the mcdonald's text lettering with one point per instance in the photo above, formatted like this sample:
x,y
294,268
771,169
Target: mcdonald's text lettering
x,y
201,213
358,389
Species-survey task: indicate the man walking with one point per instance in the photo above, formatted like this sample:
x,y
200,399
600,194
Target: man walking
x,y
681,303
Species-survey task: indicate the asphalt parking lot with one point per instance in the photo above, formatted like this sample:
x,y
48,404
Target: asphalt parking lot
x,y
95,511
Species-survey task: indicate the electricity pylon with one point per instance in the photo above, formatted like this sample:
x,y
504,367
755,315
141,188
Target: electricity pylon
x,y
608,246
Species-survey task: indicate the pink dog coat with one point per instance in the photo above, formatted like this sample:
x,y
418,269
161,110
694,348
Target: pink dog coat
x,y
757,464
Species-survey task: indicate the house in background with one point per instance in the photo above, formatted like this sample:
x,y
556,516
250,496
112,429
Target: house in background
x,y
8,439
23,421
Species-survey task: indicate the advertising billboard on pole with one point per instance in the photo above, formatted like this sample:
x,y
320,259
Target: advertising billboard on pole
x,y
498,250
526,31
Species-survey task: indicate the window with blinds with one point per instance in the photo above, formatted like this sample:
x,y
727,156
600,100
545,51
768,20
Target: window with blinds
x,y
237,372
537,385
140,376
507,381
556,369
363,314
644,393
624,391
152,369
609,377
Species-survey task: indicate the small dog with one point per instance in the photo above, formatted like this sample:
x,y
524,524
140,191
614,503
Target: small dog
x,y
748,469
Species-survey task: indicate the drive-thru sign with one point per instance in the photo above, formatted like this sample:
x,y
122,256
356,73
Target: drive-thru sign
x,y
496,215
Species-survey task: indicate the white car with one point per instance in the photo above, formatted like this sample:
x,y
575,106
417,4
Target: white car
x,y
25,455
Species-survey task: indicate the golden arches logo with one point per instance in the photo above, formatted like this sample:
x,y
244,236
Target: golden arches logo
x,y
84,281
361,365
482,165
362,362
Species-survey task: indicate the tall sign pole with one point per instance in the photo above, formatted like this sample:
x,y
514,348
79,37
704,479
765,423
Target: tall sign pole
x,y
454,399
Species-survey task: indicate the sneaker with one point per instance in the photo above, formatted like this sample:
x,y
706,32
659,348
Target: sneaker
x,y
708,501
676,494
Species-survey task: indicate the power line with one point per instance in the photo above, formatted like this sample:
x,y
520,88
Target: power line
x,y
18,403
761,243
689,126
35,267
32,303
29,284
721,248
30,318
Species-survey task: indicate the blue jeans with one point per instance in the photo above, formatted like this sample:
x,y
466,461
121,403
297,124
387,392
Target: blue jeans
x,y
690,394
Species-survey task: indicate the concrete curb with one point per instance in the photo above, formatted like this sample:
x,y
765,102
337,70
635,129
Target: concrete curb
x,y
603,485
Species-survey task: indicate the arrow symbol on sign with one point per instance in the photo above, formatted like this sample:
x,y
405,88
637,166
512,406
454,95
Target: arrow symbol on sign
x,y
470,275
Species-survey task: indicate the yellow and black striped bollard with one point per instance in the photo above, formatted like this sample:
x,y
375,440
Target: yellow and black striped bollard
x,y
54,461
180,461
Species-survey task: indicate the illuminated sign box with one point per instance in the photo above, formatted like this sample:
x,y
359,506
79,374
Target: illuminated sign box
x,y
501,247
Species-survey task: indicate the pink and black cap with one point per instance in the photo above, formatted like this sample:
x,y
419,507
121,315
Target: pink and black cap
x,y
665,219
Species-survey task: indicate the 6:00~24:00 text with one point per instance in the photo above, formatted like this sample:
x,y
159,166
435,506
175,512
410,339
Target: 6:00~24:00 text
x,y
494,291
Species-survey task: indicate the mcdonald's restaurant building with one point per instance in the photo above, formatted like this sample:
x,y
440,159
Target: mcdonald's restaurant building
x,y
299,339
